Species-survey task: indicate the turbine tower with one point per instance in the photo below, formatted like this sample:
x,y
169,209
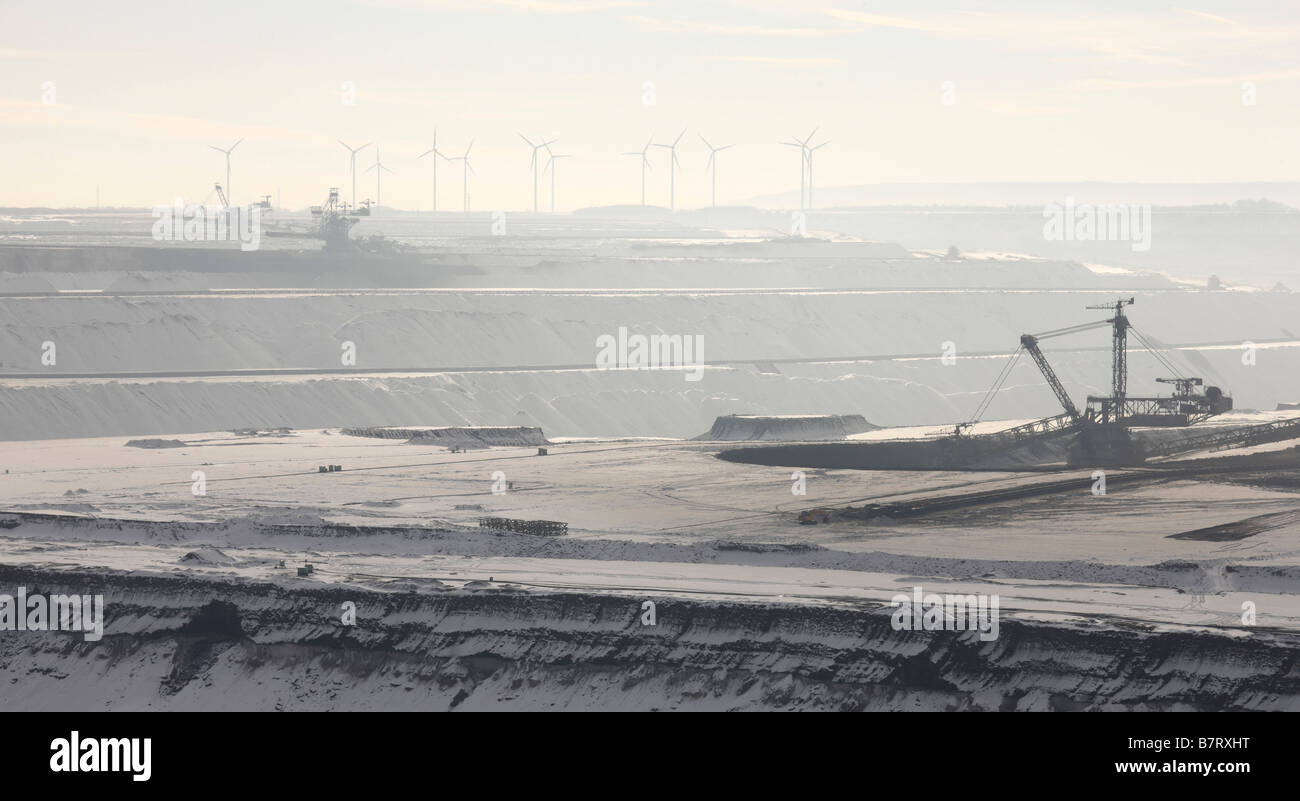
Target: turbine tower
x,y
812,150
352,161
436,154
645,162
805,163
466,169
673,163
379,169
534,165
229,194
550,165
713,162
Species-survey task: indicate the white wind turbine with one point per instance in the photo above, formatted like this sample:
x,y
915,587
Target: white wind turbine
x,y
352,163
379,169
534,165
229,195
645,162
713,162
811,150
805,163
673,163
436,154
466,169
550,165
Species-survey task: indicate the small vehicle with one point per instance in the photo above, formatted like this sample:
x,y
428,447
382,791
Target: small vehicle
x,y
811,517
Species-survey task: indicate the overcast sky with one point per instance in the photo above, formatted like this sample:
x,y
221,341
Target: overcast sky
x,y
1102,91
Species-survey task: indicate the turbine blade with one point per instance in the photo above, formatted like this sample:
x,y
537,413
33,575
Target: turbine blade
x,y
530,144
235,145
679,137
705,141
425,153
214,147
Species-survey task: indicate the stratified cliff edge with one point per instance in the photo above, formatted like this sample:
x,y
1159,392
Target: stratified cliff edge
x,y
196,643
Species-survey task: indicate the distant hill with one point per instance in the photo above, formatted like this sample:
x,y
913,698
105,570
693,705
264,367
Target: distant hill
x,y
1036,194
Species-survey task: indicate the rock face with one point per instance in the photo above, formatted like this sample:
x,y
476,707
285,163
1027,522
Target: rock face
x,y
785,428
183,642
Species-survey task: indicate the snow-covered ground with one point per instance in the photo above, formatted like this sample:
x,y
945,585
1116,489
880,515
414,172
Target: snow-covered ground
x,y
529,358
451,615
170,457
667,492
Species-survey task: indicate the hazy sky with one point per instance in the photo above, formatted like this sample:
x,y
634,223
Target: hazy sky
x,y
1104,91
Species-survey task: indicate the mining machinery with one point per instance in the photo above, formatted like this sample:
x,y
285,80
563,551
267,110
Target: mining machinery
x,y
1191,401
332,222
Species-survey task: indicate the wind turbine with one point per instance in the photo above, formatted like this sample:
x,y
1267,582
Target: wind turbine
x,y
673,163
436,154
713,152
550,165
352,161
805,162
812,150
645,162
534,165
466,169
227,152
379,169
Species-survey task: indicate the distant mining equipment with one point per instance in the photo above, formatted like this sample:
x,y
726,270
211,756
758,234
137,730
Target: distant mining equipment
x,y
333,222
1103,426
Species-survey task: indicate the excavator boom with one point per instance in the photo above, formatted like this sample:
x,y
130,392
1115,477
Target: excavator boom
x,y
1030,344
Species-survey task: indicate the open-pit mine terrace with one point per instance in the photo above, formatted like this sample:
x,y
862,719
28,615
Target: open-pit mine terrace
x,y
1130,600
